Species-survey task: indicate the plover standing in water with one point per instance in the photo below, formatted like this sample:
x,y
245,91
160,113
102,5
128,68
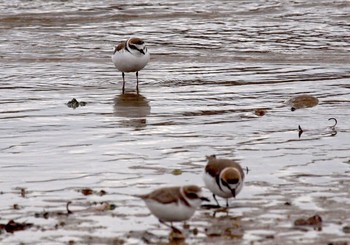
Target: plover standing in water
x,y
223,177
131,56
174,204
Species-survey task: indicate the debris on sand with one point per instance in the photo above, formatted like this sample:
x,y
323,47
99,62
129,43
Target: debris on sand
x,y
176,236
74,103
302,101
227,227
176,172
329,131
260,112
46,214
315,221
89,191
13,226
346,229
300,131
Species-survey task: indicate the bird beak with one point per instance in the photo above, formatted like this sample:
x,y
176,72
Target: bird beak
x,y
205,199
233,191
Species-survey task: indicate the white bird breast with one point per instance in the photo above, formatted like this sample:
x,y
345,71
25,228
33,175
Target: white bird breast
x,y
124,61
211,184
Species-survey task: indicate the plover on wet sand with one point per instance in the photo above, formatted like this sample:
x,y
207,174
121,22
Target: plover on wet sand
x,y
131,56
174,204
223,177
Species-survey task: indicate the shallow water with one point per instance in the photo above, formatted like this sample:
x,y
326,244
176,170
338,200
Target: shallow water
x,y
212,64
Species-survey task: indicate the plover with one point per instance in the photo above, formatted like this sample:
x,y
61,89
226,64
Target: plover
x,y
131,56
174,204
223,177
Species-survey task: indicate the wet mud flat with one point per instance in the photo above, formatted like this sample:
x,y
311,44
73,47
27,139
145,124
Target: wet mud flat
x,y
252,81
289,214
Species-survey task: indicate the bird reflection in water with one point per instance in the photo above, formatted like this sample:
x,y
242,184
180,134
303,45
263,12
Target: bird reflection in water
x,y
133,106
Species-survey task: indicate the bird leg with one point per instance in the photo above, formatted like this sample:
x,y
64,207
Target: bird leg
x,y
123,75
170,226
137,82
216,200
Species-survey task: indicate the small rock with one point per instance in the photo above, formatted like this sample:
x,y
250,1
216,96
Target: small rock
x,y
176,236
13,226
86,191
112,206
74,103
176,172
102,192
270,236
300,222
346,229
260,112
302,101
23,192
315,220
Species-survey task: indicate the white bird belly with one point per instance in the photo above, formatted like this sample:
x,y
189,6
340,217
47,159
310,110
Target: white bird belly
x,y
126,62
170,212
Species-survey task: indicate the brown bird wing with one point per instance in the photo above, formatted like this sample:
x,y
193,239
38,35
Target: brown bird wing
x,y
119,47
164,195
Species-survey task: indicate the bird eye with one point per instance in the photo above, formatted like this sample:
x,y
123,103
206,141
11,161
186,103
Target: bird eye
x,y
232,181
